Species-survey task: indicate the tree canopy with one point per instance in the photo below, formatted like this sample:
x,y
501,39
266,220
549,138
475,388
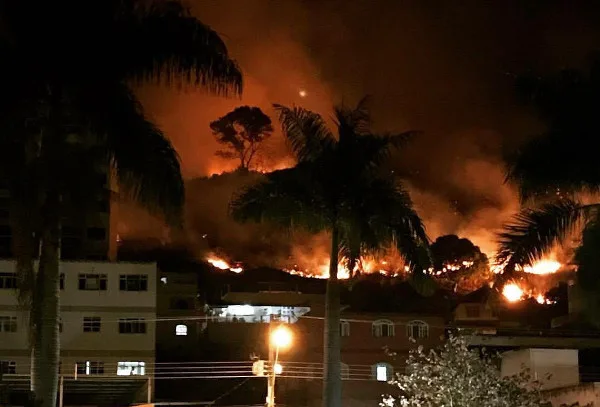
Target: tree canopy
x,y
460,263
242,132
456,376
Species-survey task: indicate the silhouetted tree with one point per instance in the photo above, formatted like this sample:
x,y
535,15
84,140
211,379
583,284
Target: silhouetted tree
x,y
338,186
59,96
462,264
242,132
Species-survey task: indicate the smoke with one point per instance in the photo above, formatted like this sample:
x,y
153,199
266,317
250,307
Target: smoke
x,y
446,70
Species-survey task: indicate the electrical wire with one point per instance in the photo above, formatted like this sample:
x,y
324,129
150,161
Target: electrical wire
x,y
538,332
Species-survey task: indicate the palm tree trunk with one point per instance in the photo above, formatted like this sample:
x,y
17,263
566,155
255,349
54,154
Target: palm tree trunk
x,y
46,346
332,378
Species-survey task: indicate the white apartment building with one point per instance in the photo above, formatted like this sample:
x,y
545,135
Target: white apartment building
x,y
108,320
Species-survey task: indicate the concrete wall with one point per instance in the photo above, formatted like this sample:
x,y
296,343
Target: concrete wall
x,y
552,368
587,395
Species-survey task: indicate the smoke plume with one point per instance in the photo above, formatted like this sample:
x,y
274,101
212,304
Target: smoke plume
x,y
446,69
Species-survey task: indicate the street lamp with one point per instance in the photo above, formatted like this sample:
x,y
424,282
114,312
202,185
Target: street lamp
x,y
279,338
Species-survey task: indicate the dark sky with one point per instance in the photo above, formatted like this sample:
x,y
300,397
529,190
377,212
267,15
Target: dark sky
x,y
443,67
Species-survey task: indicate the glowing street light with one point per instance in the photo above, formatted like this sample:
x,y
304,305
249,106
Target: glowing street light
x,y
280,338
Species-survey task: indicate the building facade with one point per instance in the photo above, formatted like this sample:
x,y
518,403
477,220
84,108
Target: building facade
x,y
178,333
374,346
108,320
86,234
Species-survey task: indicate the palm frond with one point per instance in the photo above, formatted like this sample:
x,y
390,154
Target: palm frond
x,y
146,164
534,232
376,149
380,214
161,41
285,198
305,131
353,121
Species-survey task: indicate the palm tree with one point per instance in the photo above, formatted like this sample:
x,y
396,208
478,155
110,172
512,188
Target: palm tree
x,y
337,186
69,70
555,168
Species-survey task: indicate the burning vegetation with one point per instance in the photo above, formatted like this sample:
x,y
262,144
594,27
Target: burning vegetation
x,y
536,279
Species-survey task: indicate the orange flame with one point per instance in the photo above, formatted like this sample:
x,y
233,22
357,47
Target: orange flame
x,y
223,265
543,267
512,292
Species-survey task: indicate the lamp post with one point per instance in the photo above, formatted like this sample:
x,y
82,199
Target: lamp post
x,y
279,338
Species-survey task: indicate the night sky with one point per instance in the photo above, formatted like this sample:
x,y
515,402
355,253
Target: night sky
x,y
447,70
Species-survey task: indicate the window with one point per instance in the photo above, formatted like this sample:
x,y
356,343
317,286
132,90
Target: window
x,y
383,372
181,330
62,281
417,330
92,282
8,280
132,326
133,282
344,328
383,328
345,371
60,324
8,367
91,324
472,311
90,368
8,324
131,368
96,233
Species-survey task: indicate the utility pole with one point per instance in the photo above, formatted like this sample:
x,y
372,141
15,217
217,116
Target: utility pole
x,y
273,353
280,337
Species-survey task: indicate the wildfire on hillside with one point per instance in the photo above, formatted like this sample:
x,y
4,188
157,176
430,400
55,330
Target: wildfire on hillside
x,y
512,291
221,264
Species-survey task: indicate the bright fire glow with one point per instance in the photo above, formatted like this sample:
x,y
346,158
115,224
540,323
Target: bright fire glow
x,y
223,265
543,267
302,93
512,292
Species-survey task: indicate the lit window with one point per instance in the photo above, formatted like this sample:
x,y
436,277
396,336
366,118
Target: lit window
x,y
344,328
417,330
181,330
131,368
383,328
90,368
383,372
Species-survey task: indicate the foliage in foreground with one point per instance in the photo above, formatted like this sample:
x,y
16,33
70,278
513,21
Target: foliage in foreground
x,y
456,376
